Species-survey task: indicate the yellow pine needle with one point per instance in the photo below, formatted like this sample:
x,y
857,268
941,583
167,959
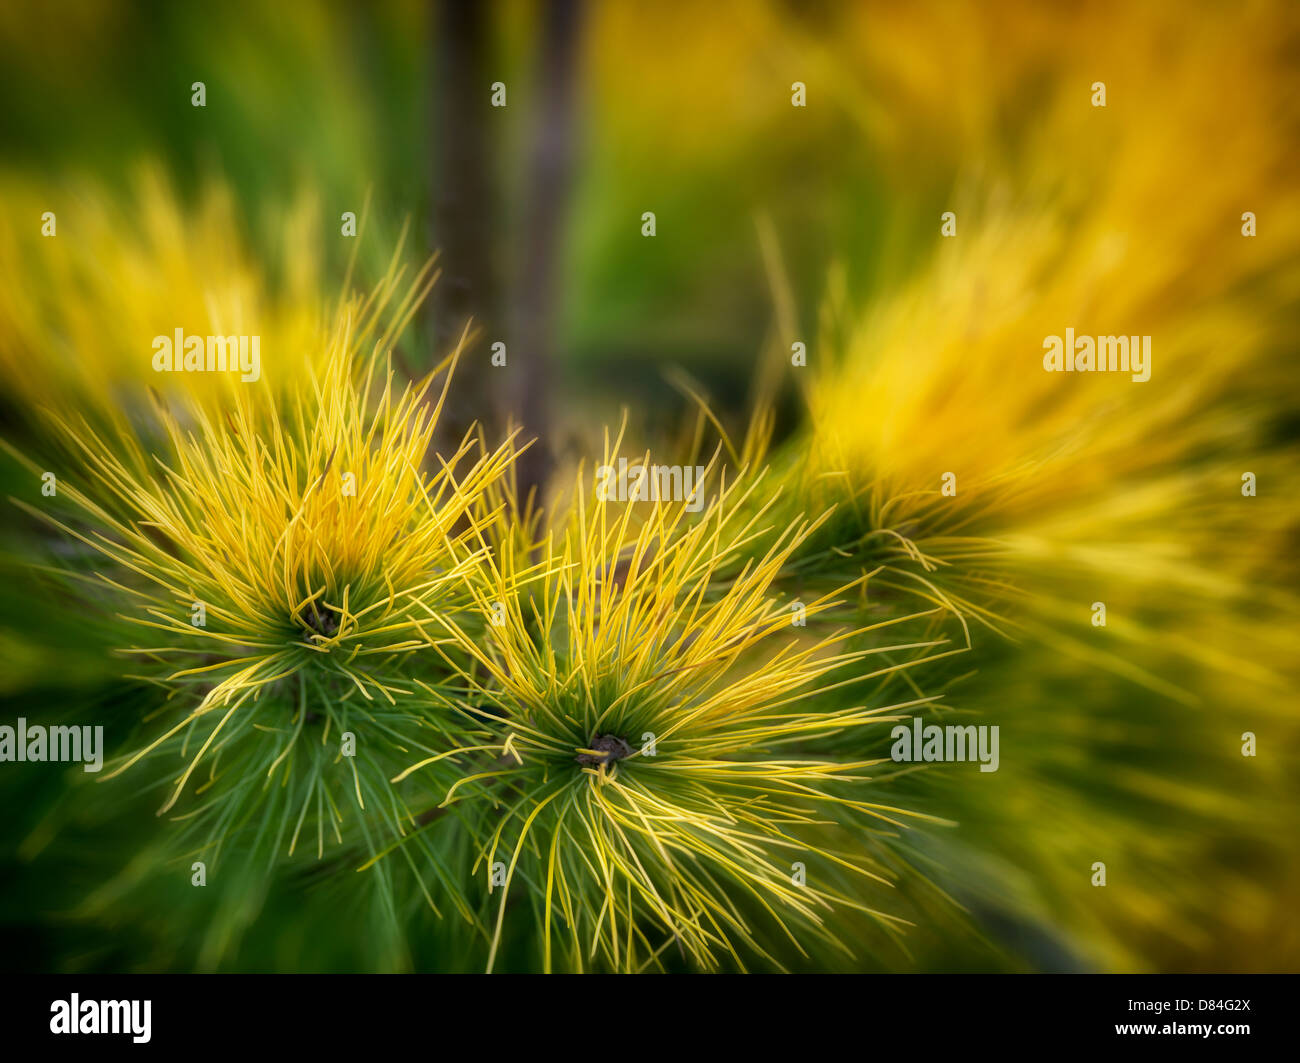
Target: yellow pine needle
x,y
627,628
315,527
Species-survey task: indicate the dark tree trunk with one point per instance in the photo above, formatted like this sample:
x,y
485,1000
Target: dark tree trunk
x,y
537,293
464,206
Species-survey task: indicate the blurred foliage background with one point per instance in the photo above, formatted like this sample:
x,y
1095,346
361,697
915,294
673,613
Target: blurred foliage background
x,y
775,224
